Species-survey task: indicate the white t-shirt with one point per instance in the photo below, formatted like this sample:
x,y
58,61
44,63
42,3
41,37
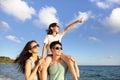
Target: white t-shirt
x,y
50,38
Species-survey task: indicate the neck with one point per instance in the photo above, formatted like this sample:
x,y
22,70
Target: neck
x,y
54,33
56,59
34,57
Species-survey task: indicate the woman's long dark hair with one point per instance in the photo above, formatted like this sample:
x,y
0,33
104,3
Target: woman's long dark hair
x,y
49,31
24,55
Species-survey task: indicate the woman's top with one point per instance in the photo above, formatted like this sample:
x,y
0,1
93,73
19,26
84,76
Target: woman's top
x,y
50,38
57,71
33,66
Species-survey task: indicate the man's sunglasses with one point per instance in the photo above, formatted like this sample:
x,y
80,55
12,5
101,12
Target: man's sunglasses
x,y
58,48
37,45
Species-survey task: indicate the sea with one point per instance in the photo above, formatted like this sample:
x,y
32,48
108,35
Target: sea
x,y
10,72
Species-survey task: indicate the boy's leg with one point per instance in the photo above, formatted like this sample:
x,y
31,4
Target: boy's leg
x,y
70,64
75,63
76,69
45,67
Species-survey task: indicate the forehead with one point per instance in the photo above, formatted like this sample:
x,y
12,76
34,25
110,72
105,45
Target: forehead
x,y
33,43
57,45
55,26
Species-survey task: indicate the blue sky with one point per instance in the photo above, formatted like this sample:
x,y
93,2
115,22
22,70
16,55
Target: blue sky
x,y
94,42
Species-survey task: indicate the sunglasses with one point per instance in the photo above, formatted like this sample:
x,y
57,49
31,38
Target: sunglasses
x,y
37,45
58,48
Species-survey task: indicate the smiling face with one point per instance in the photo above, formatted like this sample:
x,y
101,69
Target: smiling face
x,y
55,29
57,50
34,48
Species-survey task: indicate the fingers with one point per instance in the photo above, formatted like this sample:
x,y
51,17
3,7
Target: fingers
x,y
71,58
41,63
80,20
40,68
42,57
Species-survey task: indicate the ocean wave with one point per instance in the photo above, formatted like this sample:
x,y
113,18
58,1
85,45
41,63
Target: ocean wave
x,y
5,77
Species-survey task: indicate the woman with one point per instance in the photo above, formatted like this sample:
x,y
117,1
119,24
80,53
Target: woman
x,y
29,62
53,34
57,68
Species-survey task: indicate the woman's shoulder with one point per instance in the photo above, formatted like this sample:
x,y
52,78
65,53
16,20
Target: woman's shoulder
x,y
29,60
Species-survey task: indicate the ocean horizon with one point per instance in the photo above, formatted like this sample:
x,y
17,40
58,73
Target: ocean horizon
x,y
87,72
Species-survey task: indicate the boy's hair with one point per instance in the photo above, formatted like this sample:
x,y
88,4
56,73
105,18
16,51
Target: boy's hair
x,y
54,43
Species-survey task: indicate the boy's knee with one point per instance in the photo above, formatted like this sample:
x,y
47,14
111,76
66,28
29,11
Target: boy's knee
x,y
71,58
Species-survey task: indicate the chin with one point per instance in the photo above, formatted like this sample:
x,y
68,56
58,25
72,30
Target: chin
x,y
58,54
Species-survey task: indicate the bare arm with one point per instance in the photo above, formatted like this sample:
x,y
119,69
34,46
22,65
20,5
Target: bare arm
x,y
28,74
44,50
72,25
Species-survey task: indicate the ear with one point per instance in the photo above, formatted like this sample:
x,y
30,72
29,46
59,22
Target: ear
x,y
30,51
51,28
52,50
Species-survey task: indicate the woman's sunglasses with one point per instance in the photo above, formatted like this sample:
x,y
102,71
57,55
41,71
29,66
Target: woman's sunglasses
x,y
58,48
37,45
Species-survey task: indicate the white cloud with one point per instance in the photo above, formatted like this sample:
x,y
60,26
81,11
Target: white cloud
x,y
84,15
102,5
13,38
4,25
113,21
114,1
17,8
106,4
92,38
47,15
